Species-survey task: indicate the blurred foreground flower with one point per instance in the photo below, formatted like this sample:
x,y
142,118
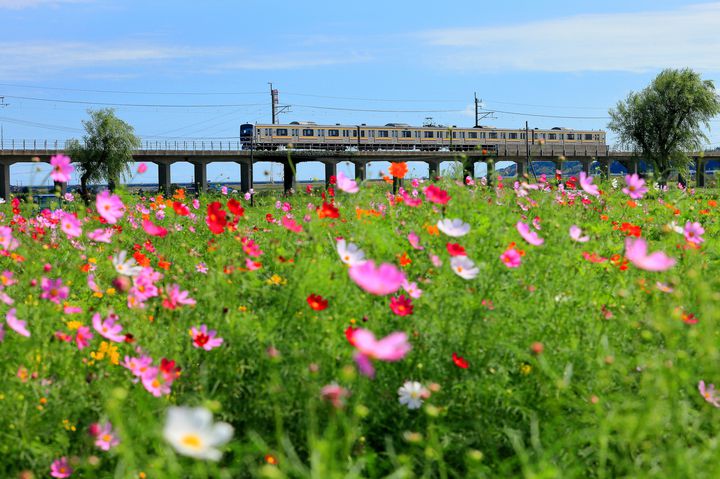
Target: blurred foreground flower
x,y
709,393
191,432
391,348
636,252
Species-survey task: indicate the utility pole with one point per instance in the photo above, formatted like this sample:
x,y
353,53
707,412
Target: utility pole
x,y
479,116
2,133
477,125
273,102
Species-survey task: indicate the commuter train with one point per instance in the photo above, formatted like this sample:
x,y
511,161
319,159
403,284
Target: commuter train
x,y
400,136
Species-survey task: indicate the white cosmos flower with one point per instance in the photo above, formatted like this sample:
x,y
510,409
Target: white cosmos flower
x,y
350,253
412,394
454,228
674,226
614,183
124,266
464,267
192,433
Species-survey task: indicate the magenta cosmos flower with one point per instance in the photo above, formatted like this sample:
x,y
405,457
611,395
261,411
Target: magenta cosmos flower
x,y
53,290
105,438
109,206
510,258
635,186
202,338
108,328
391,348
386,279
6,239
586,183
348,185
62,169
636,252
693,232
529,235
709,393
70,225
17,325
60,468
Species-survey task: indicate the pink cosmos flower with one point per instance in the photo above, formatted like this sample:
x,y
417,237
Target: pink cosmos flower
x,y
138,366
252,265
83,337
436,195
6,239
291,224
101,235
348,185
511,258
528,235
176,298
70,225
575,235
386,279
153,229
60,468
586,183
414,240
142,168
636,252
201,268
412,289
53,290
105,438
391,348
108,328
335,394
202,338
109,206
62,169
709,393
635,187
693,232
17,325
155,382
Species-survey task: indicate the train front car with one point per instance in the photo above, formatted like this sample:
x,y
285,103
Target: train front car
x,y
247,131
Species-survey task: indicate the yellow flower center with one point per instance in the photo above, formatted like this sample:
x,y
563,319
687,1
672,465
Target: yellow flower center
x,y
192,440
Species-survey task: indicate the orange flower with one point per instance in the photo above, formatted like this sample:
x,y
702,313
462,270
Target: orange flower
x,y
604,217
712,203
432,230
404,259
179,194
398,170
387,179
632,204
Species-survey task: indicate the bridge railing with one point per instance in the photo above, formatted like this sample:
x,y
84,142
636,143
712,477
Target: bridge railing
x,y
51,146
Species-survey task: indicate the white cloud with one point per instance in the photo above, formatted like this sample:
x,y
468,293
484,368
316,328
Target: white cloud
x,y
685,37
291,62
22,4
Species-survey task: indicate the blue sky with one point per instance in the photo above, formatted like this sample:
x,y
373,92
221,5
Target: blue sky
x,y
566,59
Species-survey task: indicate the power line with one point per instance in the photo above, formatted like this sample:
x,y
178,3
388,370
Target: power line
x,y
550,116
374,110
81,102
371,99
131,92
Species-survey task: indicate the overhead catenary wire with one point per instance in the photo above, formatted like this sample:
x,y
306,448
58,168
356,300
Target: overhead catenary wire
x,y
132,92
152,105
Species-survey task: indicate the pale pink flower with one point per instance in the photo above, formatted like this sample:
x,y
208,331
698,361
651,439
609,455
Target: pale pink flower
x,y
53,290
414,240
412,289
454,227
693,232
60,468
62,169
391,348
576,235
435,260
109,206
385,279
709,393
70,225
138,366
108,328
636,252
635,186
17,325
101,235
6,239
335,394
464,267
105,438
202,338
176,298
586,182
348,185
201,268
350,253
155,382
511,258
528,235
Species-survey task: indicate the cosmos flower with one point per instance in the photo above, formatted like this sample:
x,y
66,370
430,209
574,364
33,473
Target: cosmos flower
x,y
636,252
17,325
454,228
153,229
202,338
635,188
414,240
317,302
391,348
511,258
464,267
412,289
401,305
412,394
101,235
6,239
191,432
693,232
105,438
126,266
62,168
60,468
53,290
528,235
586,183
709,393
108,328
385,279
70,225
335,394
576,235
109,206
348,185
176,297
436,195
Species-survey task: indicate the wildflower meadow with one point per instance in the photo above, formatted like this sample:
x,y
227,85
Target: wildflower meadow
x,y
540,328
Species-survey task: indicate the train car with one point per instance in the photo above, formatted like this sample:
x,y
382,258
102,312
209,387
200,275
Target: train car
x,y
400,136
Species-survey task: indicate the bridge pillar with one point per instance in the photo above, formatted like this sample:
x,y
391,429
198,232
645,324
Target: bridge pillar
x,y
288,177
520,168
164,180
605,167
360,170
586,166
60,187
433,170
200,177
700,172
246,179
5,181
330,170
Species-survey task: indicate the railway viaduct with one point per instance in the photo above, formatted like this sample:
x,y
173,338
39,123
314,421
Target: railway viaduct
x,y
201,154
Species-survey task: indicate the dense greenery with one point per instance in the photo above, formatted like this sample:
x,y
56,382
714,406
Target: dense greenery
x,y
665,121
580,364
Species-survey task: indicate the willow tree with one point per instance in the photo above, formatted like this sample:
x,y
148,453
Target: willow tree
x,y
106,151
667,120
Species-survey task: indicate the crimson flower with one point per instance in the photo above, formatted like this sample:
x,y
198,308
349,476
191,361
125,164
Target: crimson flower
x,y
317,302
456,250
401,305
328,210
234,206
460,361
216,218
180,209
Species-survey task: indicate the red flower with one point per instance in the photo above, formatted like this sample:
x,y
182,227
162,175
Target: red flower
x,y
317,302
328,210
332,181
401,305
216,218
234,206
460,361
169,369
455,249
436,195
349,333
180,209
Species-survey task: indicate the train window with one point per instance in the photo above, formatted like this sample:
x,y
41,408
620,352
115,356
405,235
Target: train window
x,y
588,136
394,133
295,132
440,134
417,134
454,134
354,133
552,136
570,136
597,137
346,133
321,133
406,134
267,131
383,133
362,134
493,135
513,136
482,134
281,132
472,134
371,133
522,136
333,132
258,131
428,134
308,132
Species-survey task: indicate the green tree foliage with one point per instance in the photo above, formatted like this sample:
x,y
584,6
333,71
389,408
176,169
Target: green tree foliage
x,y
666,120
106,149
